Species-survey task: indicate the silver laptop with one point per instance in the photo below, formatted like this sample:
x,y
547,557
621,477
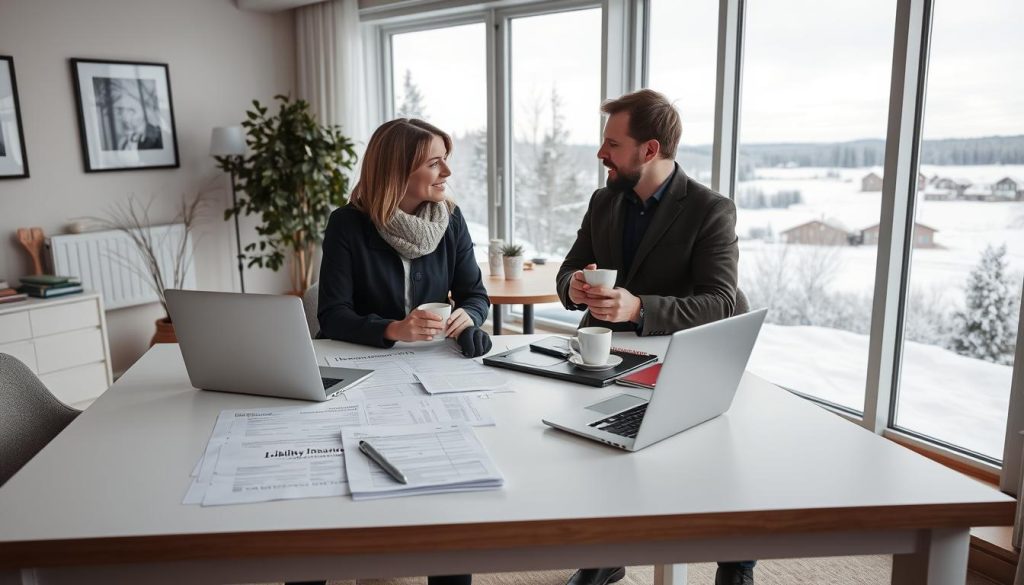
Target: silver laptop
x,y
252,344
697,382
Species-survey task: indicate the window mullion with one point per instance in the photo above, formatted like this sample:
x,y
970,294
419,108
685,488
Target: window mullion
x,y
899,184
727,96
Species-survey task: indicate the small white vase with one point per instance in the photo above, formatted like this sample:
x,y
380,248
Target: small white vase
x,y
494,257
513,267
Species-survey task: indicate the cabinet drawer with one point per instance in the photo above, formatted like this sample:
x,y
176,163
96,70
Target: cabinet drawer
x,y
23,350
56,352
50,320
77,384
14,327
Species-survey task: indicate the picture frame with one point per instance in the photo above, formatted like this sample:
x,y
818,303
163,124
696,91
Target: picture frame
x,y
125,115
13,154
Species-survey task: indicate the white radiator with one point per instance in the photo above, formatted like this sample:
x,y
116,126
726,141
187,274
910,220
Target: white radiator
x,y
109,262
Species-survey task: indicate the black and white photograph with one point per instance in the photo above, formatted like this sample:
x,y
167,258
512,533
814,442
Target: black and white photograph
x,y
126,118
13,161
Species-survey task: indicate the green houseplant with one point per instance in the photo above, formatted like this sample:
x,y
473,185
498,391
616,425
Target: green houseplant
x,y
296,171
512,258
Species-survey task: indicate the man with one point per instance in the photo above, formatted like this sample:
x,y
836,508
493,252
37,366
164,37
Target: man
x,y
130,125
672,241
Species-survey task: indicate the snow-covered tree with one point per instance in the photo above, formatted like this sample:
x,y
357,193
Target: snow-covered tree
x,y
412,100
985,328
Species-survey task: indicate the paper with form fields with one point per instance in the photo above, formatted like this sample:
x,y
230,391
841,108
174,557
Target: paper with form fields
x,y
434,458
438,368
233,448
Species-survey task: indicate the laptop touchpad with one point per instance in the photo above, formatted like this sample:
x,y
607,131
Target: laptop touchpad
x,y
615,404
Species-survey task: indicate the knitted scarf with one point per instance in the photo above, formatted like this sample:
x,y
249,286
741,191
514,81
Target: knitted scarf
x,y
416,235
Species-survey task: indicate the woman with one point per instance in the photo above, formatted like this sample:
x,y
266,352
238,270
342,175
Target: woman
x,y
400,243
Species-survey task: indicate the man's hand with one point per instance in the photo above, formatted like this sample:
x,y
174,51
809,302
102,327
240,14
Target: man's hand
x,y
578,286
458,322
614,305
419,325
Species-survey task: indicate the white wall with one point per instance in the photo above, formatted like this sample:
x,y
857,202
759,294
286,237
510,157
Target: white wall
x,y
220,58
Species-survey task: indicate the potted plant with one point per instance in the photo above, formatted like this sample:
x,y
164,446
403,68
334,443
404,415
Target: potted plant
x,y
132,218
295,174
512,258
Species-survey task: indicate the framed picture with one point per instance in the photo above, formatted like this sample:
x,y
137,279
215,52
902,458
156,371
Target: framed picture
x,y
13,162
125,116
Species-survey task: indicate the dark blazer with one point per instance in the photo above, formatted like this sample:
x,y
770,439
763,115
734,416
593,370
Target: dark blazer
x,y
685,269
362,280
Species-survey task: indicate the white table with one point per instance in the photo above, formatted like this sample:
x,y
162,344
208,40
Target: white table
x,y
775,477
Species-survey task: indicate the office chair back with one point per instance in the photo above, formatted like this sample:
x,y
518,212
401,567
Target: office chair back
x,y
30,416
742,304
310,301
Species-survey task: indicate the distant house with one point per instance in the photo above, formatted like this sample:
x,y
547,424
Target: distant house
x,y
815,233
933,193
957,185
924,236
977,192
873,182
1008,189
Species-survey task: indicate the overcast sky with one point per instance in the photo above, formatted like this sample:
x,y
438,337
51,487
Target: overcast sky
x,y
813,71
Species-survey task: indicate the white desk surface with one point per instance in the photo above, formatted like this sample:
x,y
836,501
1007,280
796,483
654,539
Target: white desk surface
x,y
774,464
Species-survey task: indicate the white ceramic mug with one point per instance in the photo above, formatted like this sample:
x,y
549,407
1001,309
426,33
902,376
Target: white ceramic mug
x,y
600,277
442,310
594,344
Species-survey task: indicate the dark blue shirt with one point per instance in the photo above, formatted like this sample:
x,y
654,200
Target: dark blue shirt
x,y
637,220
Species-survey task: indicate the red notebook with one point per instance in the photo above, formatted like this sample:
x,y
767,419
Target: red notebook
x,y
644,378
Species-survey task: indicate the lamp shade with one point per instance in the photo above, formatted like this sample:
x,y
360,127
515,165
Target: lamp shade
x,y
227,141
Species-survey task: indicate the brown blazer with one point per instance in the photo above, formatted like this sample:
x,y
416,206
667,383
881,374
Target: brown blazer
x,y
685,269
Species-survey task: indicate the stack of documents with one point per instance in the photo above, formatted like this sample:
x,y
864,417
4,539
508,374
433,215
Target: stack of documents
x,y
435,369
438,457
257,455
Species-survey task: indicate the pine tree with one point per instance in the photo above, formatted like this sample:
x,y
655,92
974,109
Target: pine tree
x,y
412,100
985,329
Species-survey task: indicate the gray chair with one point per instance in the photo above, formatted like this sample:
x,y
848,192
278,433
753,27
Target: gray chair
x,y
742,304
30,416
310,299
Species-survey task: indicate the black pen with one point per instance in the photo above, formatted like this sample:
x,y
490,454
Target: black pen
x,y
379,458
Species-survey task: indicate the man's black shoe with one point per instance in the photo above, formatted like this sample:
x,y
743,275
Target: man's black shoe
x,y
734,575
597,576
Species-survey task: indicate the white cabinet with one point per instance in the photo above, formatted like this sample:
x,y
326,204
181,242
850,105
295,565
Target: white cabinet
x,y
64,341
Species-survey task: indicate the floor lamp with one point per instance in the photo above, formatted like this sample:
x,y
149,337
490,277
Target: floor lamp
x,y
230,141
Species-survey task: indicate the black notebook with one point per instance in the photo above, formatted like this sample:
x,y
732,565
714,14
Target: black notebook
x,y
546,363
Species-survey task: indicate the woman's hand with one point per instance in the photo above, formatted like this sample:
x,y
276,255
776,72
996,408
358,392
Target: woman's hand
x,y
458,322
419,325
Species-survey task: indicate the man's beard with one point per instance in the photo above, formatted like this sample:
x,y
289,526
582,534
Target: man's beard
x,y
623,182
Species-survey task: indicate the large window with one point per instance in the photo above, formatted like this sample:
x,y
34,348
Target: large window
x,y
682,65
968,255
424,87
556,122
808,193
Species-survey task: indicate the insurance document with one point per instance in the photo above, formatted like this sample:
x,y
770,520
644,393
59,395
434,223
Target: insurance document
x,y
433,457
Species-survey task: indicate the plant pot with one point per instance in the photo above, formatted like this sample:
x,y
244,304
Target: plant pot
x,y
164,332
513,267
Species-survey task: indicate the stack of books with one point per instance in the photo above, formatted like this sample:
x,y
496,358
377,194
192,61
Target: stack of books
x,y
46,286
9,295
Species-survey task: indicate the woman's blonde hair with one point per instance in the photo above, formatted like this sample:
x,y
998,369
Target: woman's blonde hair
x,y
396,149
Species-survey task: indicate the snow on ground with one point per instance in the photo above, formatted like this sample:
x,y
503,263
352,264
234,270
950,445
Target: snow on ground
x,y
944,395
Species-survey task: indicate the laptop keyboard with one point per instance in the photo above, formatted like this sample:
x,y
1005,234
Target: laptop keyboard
x,y
328,382
625,423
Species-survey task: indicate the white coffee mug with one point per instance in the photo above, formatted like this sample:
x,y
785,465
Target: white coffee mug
x,y
442,310
600,277
594,344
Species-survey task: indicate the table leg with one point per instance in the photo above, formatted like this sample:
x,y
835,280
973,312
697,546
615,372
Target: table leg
x,y
669,574
527,319
496,319
18,577
941,559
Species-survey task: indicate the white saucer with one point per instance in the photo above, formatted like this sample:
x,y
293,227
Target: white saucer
x,y
613,360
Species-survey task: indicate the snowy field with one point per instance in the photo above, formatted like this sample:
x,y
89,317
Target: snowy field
x,y
942,394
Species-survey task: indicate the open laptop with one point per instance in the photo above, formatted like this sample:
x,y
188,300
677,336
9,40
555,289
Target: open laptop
x,y
698,380
252,344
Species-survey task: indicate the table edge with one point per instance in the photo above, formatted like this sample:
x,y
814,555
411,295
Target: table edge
x,y
497,535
